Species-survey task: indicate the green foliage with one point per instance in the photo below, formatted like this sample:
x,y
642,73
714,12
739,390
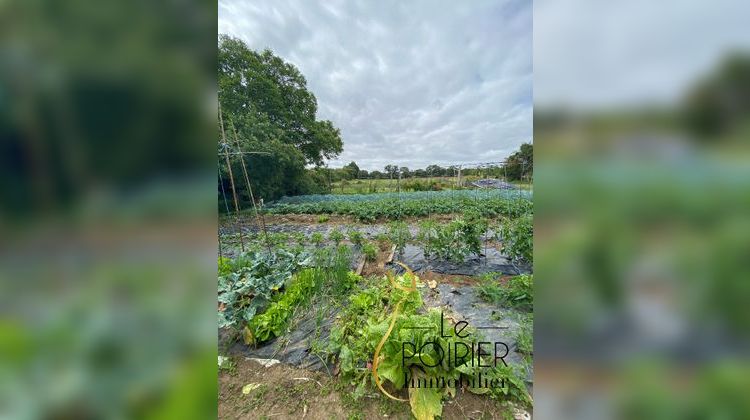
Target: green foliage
x,y
520,165
453,241
525,337
336,236
383,241
370,251
398,233
364,322
316,238
426,403
351,170
489,288
225,266
274,321
517,292
331,269
355,237
392,208
247,283
518,238
416,185
323,218
299,237
266,107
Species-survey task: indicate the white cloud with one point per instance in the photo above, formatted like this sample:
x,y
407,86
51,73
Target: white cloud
x,y
411,83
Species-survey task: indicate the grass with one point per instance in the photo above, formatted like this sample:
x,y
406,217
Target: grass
x,y
436,183
517,292
525,337
369,186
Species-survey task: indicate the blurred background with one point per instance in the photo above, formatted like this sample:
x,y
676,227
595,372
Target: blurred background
x,y
107,209
642,224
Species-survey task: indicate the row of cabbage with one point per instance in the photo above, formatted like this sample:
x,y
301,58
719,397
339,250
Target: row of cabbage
x,y
412,195
389,209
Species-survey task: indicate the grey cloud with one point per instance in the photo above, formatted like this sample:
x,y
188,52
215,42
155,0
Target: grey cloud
x,y
409,83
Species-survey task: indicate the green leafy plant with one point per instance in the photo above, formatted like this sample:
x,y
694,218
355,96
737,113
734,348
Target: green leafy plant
x,y
225,266
332,269
524,337
273,322
336,236
383,241
365,321
398,233
323,218
519,291
370,251
517,236
453,241
355,237
372,207
249,281
316,238
489,288
299,237
516,291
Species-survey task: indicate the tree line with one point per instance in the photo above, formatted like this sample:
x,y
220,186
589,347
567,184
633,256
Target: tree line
x,y
518,166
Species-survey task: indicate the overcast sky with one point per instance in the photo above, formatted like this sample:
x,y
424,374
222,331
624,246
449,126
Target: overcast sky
x,y
593,54
408,82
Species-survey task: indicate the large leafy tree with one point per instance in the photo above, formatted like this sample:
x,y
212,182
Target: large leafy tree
x,y
520,164
351,170
270,116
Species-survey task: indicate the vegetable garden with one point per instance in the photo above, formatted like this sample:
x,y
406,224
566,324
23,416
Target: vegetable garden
x,y
407,305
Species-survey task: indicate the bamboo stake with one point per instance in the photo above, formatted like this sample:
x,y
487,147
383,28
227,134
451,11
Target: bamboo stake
x,y
250,189
231,180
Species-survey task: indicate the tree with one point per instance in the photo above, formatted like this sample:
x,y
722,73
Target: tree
x,y
721,102
376,175
266,107
521,163
404,172
391,170
352,170
434,170
363,174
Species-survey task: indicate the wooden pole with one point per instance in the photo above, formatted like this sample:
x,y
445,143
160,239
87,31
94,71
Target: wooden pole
x,y
231,179
262,225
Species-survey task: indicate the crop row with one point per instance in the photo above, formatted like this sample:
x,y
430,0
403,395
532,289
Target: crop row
x,y
412,195
389,209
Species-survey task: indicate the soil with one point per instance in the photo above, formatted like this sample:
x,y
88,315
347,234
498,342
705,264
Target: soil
x,y
288,392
